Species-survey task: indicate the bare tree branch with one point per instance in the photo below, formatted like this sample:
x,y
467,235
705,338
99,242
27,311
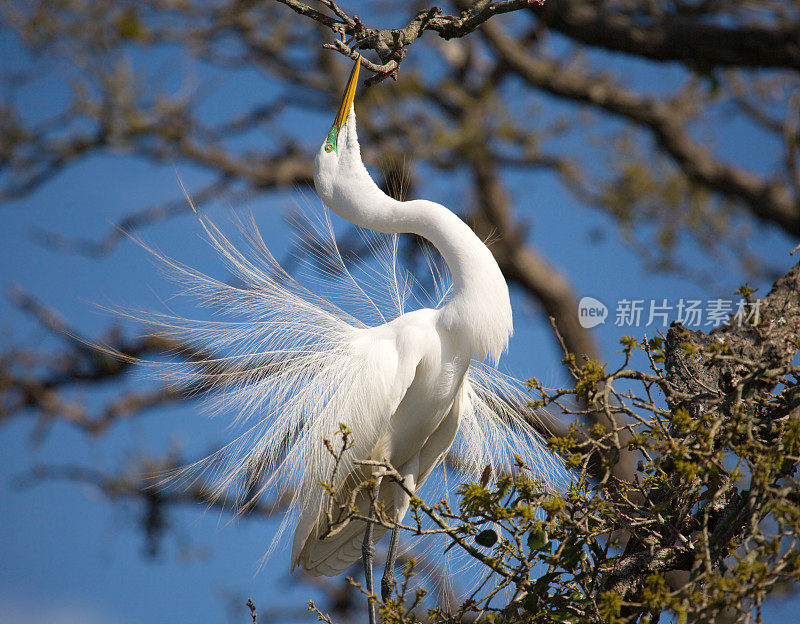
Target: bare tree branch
x,y
769,201
390,44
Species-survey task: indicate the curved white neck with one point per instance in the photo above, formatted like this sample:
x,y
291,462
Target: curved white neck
x,y
479,307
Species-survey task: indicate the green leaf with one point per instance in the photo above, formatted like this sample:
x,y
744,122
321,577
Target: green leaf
x,y
487,538
538,539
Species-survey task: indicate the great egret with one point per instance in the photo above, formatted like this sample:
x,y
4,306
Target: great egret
x,y
417,361
405,388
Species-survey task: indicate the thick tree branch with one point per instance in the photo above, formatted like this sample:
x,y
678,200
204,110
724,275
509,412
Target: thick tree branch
x,y
673,36
772,343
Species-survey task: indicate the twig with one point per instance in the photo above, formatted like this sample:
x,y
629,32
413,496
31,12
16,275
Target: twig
x,y
252,607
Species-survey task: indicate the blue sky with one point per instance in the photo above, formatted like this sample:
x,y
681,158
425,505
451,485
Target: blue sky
x,y
71,556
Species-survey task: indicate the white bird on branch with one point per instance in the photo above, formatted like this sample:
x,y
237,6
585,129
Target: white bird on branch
x,y
405,389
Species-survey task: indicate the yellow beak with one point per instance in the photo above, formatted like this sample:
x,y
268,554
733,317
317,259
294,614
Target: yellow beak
x,y
347,98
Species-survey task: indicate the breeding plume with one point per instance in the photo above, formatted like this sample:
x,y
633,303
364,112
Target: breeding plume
x,y
406,388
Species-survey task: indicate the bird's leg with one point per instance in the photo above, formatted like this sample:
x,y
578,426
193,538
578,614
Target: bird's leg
x,y
401,502
388,572
368,556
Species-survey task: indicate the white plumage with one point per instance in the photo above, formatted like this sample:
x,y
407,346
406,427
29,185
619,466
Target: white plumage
x,y
406,388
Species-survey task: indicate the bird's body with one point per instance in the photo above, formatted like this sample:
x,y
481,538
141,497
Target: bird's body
x,y
425,377
426,374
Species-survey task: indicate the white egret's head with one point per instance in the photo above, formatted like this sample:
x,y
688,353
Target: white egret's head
x,y
339,153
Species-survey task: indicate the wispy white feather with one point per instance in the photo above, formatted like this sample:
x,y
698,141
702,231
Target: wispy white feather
x,y
286,362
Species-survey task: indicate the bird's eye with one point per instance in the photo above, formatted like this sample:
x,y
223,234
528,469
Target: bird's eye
x,y
329,148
